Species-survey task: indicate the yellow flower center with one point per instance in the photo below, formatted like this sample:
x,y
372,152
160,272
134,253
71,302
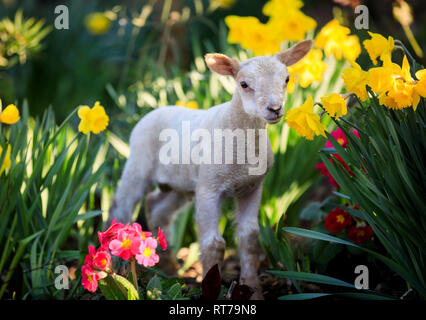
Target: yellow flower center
x,y
341,141
103,262
147,252
126,243
360,233
89,277
340,218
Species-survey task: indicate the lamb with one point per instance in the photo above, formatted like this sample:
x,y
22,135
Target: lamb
x,y
258,100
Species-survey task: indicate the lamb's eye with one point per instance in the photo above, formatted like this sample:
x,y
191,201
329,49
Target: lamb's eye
x,y
287,80
243,84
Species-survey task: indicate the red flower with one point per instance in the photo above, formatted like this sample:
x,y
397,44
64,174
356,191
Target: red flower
x,y
127,243
147,256
100,259
111,233
360,234
90,256
89,278
161,237
341,139
337,220
138,228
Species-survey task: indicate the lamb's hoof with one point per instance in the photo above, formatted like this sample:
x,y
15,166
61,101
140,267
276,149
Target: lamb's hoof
x,y
257,295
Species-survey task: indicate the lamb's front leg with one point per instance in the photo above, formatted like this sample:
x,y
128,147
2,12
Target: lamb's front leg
x,y
207,213
248,244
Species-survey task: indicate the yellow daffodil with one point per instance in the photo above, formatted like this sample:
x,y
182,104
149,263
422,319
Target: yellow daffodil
x,y
191,104
281,7
6,162
394,84
380,79
351,48
237,31
356,80
10,114
308,70
92,120
378,46
293,26
335,40
305,121
334,104
251,34
420,86
403,95
388,101
97,23
403,91
286,23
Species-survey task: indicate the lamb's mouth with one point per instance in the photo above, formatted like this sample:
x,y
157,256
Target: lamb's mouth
x,y
274,120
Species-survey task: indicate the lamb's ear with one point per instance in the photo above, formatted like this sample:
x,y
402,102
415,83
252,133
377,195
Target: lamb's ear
x,y
295,53
222,64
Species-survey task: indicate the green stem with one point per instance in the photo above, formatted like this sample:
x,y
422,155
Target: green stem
x,y
135,279
404,48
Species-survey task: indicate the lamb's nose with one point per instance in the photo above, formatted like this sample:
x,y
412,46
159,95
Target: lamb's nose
x,y
276,108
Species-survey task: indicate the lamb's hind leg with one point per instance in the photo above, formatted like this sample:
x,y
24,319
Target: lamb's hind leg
x,y
161,208
248,233
134,184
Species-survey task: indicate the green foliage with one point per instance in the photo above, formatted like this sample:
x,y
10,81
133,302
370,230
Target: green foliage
x,y
315,211
292,176
51,177
276,246
318,278
116,287
388,163
395,266
20,39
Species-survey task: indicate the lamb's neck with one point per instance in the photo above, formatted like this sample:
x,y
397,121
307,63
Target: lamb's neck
x,y
238,118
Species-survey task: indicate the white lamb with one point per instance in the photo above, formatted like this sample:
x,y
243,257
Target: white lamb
x,y
258,100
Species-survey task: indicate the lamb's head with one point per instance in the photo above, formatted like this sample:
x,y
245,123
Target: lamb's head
x,y
261,81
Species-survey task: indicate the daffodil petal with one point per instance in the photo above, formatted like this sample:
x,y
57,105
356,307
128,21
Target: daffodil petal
x,y
10,114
